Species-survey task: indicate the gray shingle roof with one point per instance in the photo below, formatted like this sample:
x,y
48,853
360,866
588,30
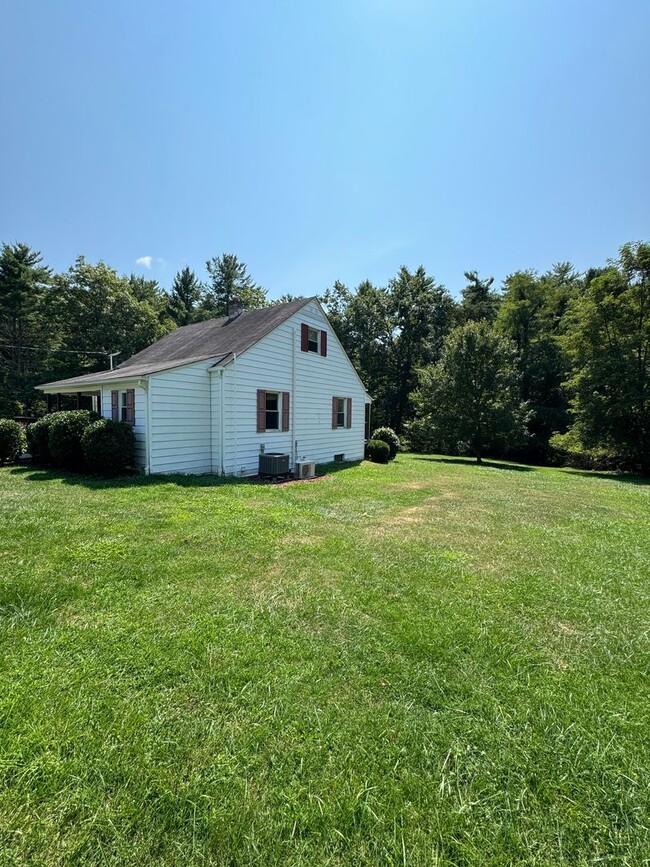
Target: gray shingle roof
x,y
214,338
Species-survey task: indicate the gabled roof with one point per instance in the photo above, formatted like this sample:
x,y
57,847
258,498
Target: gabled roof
x,y
214,338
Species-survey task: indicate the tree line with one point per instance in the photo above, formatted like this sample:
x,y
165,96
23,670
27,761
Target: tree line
x,y
548,364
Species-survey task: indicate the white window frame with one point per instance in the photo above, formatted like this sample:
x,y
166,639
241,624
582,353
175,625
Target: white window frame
x,y
278,411
122,406
316,331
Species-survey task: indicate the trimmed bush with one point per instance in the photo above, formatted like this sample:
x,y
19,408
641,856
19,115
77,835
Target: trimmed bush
x,y
108,447
38,435
12,439
378,452
388,436
66,430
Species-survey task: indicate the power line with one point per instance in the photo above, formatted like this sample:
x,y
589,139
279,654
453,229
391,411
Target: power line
x,y
67,351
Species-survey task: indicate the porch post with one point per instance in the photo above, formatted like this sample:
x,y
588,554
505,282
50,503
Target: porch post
x,y
78,400
58,401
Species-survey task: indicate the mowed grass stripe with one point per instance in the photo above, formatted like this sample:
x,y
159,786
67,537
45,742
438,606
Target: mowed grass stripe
x,y
426,662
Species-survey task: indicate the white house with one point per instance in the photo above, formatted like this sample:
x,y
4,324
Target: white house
x,y
209,397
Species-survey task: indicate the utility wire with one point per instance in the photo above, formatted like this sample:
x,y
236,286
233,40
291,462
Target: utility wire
x,y
67,351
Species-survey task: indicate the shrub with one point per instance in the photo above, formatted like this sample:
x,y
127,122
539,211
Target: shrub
x,y
388,436
108,447
566,450
66,430
12,439
378,451
422,437
38,435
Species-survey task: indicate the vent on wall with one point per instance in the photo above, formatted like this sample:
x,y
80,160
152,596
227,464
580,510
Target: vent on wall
x,y
339,458
305,470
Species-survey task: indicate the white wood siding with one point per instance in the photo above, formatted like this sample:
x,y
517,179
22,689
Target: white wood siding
x,y
180,414
140,426
312,384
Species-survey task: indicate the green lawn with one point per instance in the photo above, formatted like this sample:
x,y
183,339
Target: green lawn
x,y
423,663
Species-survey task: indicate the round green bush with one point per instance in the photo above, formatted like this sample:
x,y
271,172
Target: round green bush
x,y
388,436
66,430
38,435
108,447
12,439
378,451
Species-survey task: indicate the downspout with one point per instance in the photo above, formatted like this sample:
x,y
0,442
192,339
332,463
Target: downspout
x,y
222,419
293,400
234,412
210,415
144,384
222,423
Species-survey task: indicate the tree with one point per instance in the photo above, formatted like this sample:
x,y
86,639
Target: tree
x,y
99,314
528,315
422,315
479,301
608,340
472,394
185,296
25,323
390,331
287,298
229,279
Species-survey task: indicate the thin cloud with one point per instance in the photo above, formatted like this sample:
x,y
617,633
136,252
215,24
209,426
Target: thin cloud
x,y
149,262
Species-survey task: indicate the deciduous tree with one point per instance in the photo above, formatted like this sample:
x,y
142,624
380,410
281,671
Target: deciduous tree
x,y
608,340
471,395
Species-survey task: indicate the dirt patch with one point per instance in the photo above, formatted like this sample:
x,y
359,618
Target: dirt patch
x,y
566,628
303,481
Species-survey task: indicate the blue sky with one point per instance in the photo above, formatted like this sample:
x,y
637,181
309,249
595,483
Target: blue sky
x,y
326,140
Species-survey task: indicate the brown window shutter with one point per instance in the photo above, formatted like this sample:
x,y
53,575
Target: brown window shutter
x,y
348,420
285,410
130,406
323,343
334,411
304,337
261,410
115,405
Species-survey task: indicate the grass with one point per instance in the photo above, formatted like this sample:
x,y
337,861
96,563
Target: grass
x,y
422,663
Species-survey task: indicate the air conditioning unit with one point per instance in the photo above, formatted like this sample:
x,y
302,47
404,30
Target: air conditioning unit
x,y
273,464
305,470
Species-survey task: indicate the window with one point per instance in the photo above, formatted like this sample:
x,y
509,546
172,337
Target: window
x,y
313,341
123,406
341,412
272,410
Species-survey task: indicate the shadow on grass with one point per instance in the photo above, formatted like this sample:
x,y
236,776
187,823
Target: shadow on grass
x,y
138,480
471,462
609,476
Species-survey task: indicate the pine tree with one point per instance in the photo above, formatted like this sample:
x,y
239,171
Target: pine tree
x,y
185,296
229,279
25,301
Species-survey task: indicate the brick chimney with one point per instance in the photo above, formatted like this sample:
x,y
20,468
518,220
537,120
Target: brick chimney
x,y
235,308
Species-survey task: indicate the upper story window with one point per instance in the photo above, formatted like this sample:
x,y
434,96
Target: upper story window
x,y
313,340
